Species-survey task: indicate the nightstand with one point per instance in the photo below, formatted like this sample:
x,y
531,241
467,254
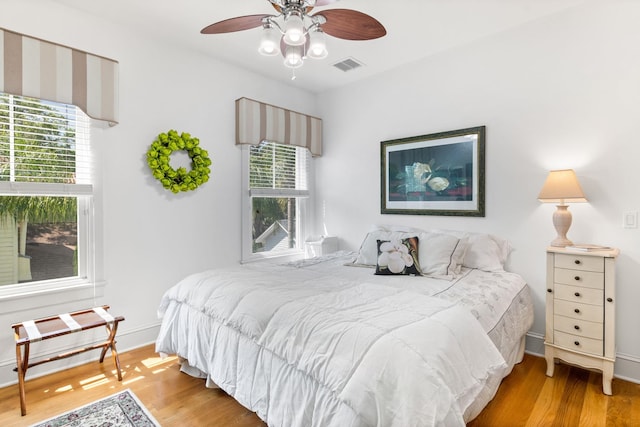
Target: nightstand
x,y
580,310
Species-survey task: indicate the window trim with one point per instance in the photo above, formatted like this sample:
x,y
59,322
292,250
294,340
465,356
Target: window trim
x,y
52,294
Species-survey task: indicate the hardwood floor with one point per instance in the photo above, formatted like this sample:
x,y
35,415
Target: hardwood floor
x,y
573,397
173,398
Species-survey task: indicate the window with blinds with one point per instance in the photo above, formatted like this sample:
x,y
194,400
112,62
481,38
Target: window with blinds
x,y
45,191
278,169
278,186
43,142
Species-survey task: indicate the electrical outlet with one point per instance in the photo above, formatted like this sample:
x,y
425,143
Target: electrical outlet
x,y
630,219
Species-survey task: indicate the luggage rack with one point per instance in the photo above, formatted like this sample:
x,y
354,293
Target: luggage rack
x,y
31,331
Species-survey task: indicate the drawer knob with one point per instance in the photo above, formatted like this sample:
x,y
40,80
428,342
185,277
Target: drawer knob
x,y
577,261
576,342
577,278
576,327
549,290
577,310
577,294
609,299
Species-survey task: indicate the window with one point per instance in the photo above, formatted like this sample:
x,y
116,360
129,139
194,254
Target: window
x,y
46,194
275,208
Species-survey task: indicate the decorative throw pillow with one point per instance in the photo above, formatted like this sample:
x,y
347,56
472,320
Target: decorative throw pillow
x,y
398,257
368,253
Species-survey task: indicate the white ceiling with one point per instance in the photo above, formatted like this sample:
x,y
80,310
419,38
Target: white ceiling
x,y
415,29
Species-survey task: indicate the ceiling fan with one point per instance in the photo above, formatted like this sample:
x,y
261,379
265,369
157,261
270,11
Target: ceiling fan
x,y
297,34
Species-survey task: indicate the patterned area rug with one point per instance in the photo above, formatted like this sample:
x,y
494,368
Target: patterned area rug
x,y
119,410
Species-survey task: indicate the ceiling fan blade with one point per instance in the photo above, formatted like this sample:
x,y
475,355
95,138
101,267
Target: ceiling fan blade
x,y
235,24
350,24
277,7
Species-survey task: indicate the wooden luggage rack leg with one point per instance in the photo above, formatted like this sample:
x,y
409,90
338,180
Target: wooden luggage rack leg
x,y
111,344
23,364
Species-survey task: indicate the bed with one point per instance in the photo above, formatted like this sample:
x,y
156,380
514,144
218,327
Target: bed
x,y
341,340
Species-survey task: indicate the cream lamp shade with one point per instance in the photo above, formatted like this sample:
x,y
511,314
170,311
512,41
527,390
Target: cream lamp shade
x,y
562,187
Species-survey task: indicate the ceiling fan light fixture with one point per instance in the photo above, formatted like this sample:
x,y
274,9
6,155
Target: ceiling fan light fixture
x,y
269,44
297,34
294,31
294,56
317,44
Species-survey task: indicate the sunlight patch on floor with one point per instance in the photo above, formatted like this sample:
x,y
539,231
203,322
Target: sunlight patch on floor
x,y
96,384
152,362
92,379
141,377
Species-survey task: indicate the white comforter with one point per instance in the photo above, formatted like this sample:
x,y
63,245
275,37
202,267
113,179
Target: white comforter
x,y
308,347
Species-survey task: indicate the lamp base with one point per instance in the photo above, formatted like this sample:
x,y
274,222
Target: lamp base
x,y
561,221
560,242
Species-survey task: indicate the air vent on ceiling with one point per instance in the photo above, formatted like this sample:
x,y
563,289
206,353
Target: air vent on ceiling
x,y
348,64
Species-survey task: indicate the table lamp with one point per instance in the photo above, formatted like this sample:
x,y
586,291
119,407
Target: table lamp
x,y
561,187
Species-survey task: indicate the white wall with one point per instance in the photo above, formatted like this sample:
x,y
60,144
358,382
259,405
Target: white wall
x,y
561,92
149,236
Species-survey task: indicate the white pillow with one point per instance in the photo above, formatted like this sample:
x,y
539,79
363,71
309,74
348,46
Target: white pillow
x,y
487,252
440,254
484,251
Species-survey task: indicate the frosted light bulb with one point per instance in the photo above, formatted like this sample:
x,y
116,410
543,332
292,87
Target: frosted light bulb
x,y
269,45
317,45
293,57
294,29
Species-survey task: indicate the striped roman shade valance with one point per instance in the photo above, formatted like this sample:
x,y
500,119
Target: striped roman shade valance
x,y
40,69
257,122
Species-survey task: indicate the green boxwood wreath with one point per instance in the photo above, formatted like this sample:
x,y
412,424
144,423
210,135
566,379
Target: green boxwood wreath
x,y
159,157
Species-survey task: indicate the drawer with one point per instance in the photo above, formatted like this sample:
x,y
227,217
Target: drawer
x,y
577,343
581,328
579,262
576,310
588,279
579,294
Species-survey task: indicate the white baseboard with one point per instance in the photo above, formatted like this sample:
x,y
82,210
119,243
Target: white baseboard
x,y
627,367
126,340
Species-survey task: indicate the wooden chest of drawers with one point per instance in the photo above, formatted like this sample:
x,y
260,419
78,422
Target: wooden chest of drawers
x,y
580,310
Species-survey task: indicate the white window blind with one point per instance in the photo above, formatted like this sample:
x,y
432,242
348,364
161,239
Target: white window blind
x,y
43,147
278,170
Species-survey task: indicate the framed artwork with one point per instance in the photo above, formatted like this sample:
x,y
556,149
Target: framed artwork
x,y
436,174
